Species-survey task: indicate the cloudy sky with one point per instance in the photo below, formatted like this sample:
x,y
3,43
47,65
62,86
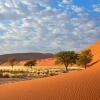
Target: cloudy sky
x,y
48,25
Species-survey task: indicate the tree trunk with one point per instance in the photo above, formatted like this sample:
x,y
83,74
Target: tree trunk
x,y
12,66
66,66
66,69
85,66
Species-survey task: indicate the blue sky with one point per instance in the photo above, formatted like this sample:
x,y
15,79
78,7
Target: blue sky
x,y
48,25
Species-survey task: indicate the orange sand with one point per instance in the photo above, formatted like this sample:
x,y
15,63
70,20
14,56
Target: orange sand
x,y
42,62
95,48
46,62
80,85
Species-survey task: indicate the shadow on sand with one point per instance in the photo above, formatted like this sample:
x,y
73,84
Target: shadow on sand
x,y
93,63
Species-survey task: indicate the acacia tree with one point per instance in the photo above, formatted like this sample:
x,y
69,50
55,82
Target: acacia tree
x,y
84,58
66,58
12,61
30,63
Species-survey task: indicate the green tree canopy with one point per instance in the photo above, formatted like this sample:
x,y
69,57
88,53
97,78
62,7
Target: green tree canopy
x,y
84,58
66,58
30,63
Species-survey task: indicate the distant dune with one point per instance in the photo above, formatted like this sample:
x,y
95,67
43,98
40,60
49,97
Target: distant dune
x,y
46,62
80,85
25,56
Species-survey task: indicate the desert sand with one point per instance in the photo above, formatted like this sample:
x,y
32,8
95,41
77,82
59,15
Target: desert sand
x,y
80,85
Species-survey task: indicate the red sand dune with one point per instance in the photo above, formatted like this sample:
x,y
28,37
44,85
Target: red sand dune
x,y
46,62
95,48
42,62
80,85
22,62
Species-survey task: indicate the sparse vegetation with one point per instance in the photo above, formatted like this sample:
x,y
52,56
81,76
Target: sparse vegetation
x,y
27,73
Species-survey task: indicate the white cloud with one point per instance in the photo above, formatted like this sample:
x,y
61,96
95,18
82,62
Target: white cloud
x,y
2,26
66,1
96,7
31,28
2,9
77,9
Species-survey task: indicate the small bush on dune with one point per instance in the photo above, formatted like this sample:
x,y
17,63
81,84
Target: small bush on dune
x,y
30,63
